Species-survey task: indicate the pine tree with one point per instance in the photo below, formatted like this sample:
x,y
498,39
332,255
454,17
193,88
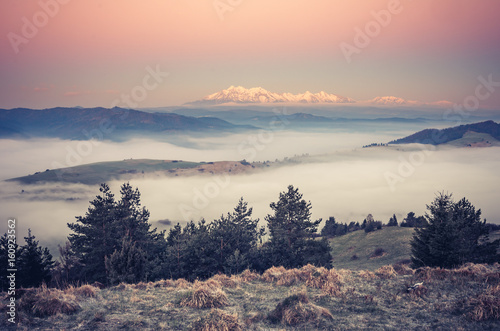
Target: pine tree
x,y
454,235
330,228
128,265
235,232
393,221
34,263
94,236
106,224
132,222
67,266
291,229
410,221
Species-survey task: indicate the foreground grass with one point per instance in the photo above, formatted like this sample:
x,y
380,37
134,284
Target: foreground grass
x,y
309,298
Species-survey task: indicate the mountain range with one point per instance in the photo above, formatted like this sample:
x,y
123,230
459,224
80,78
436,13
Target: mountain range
x,y
259,95
115,124
240,94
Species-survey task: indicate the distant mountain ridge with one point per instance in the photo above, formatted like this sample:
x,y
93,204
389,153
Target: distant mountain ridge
x,y
259,95
437,137
239,94
79,123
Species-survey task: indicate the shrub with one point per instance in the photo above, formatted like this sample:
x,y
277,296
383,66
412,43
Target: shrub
x,y
377,252
218,320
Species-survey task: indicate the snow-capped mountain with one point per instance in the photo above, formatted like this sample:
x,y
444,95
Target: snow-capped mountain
x,y
259,95
395,101
391,100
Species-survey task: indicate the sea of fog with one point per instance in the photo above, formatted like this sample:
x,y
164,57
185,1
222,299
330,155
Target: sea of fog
x,y
345,180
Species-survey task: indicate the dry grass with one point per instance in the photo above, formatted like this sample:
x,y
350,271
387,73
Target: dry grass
x,y
368,275
182,283
403,269
225,280
329,281
485,306
386,272
204,296
45,301
84,291
249,276
465,298
218,320
297,309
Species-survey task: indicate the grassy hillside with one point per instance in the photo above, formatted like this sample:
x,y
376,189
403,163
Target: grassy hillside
x,y
373,250
474,139
96,173
298,299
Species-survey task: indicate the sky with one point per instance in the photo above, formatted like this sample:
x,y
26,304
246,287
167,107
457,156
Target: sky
x,y
90,52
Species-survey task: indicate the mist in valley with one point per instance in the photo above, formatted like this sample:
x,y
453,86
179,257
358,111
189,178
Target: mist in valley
x,y
339,177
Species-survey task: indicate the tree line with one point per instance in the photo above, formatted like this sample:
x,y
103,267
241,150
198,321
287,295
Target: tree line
x,y
114,242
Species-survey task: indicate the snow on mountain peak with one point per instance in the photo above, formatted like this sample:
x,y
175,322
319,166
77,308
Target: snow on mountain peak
x,y
239,94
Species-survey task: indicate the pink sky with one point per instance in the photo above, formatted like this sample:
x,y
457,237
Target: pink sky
x,y
91,51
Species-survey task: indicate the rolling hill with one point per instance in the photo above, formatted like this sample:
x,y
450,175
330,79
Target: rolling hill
x,y
369,251
489,129
96,173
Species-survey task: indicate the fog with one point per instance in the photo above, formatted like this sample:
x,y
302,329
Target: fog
x,y
22,157
347,181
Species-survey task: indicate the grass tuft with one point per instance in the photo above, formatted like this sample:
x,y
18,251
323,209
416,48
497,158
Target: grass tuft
x,y
485,306
205,297
386,272
297,309
45,301
249,276
225,280
83,291
217,320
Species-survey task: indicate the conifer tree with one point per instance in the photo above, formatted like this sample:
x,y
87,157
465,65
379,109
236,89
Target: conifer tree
x,y
393,221
128,265
236,231
454,235
94,236
330,228
291,229
106,224
34,263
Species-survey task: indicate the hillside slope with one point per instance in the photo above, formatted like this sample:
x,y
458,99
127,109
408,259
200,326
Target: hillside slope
x,y
100,172
437,137
356,250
